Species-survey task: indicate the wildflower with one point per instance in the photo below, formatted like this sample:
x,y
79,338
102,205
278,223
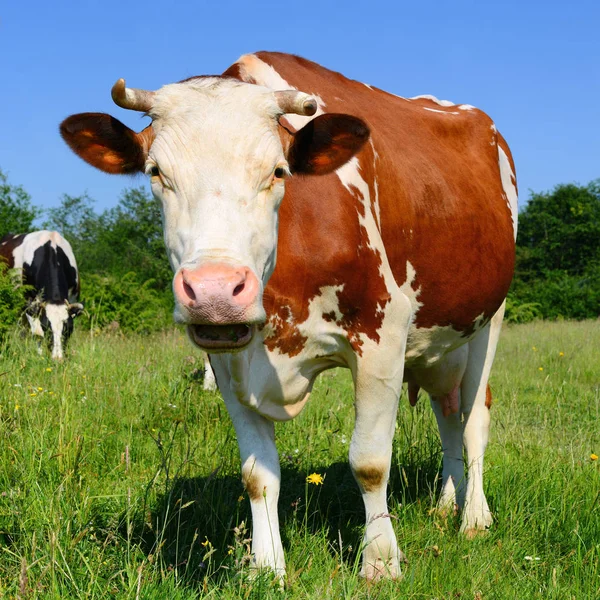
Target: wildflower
x,y
206,542
532,558
48,369
593,457
315,479
540,368
40,389
33,394
344,439
230,551
534,348
561,353
17,407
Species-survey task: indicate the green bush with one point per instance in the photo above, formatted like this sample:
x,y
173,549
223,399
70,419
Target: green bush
x,y
557,295
12,300
521,312
124,304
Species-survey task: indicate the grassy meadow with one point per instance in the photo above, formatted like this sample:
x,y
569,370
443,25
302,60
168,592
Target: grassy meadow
x,y
119,478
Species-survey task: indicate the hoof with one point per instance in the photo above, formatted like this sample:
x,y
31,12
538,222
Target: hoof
x,y
475,524
381,569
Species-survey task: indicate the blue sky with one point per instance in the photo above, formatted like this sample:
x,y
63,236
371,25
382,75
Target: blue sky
x,y
533,66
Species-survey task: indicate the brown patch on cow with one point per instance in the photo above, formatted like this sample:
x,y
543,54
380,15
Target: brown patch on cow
x,y
369,478
8,244
441,203
237,71
252,485
488,397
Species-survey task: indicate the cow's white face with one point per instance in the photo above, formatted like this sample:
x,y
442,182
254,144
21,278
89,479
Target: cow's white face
x,y
217,166
217,159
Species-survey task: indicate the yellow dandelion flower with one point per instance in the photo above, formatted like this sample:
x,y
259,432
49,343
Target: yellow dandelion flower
x,y
561,353
51,393
534,348
40,389
17,407
230,551
33,394
593,456
48,369
315,479
540,368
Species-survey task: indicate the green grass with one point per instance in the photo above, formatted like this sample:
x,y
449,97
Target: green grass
x,y
119,478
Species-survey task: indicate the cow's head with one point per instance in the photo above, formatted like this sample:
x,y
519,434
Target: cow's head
x,y
217,158
54,322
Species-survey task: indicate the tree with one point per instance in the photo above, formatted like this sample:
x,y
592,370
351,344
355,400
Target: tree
x,y
560,230
17,213
558,255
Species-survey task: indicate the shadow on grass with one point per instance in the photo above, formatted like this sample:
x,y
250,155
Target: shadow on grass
x,y
191,527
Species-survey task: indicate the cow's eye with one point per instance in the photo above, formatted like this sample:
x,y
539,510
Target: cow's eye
x,y
280,173
152,171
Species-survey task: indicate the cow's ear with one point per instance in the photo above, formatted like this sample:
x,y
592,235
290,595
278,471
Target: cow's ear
x,y
75,309
326,143
105,143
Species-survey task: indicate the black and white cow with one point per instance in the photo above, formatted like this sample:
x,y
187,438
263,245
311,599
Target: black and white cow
x,y
49,267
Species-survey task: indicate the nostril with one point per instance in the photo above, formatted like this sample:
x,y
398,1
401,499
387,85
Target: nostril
x,y
238,289
189,291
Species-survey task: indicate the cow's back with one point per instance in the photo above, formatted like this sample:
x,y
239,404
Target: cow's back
x,y
8,244
424,199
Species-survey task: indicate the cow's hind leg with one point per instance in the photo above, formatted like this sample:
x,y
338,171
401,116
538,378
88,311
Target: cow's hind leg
x,y
378,382
476,423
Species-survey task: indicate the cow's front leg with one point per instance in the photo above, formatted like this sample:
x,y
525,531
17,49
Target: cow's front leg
x,y
261,476
377,393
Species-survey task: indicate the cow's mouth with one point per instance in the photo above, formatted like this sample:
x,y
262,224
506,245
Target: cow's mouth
x,y
221,337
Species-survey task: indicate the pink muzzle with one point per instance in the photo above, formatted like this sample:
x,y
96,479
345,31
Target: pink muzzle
x,y
221,301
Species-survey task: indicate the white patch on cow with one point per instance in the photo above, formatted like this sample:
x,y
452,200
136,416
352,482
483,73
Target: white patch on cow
x,y
433,99
443,112
267,76
466,107
4,243
57,315
508,185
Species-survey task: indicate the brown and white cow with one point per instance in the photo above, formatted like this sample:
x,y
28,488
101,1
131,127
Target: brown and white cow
x,y
394,255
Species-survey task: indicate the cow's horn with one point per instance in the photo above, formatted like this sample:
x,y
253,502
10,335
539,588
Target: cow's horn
x,y
299,103
131,98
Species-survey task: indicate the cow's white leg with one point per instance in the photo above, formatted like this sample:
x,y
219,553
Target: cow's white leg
x,y
453,471
210,383
476,423
260,471
378,386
